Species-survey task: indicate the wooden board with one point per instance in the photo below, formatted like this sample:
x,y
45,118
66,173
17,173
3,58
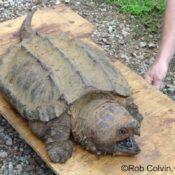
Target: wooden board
x,y
158,128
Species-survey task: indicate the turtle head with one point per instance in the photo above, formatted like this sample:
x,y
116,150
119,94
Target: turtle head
x,y
114,129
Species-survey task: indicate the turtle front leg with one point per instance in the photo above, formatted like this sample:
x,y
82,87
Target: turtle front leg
x,y
131,107
60,152
58,143
56,134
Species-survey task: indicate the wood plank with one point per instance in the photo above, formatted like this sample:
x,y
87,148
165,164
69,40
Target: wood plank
x,y
53,21
158,128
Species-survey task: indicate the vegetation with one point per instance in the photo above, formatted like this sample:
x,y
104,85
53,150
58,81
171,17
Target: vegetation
x,y
139,7
147,13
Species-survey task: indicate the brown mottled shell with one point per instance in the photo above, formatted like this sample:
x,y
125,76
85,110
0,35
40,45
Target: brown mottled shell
x,y
43,75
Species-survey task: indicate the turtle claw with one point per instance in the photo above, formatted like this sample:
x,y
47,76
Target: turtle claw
x,y
59,152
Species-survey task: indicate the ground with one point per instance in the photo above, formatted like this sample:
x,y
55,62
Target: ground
x,y
117,33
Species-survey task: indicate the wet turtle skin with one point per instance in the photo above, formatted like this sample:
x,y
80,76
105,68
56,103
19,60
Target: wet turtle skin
x,y
65,88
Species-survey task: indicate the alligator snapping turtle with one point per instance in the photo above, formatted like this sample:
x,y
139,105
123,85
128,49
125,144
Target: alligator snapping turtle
x,y
64,87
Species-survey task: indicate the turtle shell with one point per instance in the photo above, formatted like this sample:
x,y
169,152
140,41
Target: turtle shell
x,y
43,75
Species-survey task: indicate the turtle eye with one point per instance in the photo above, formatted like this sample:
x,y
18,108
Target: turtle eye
x,y
122,131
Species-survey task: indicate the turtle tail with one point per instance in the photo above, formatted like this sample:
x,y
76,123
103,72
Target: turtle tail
x,y
26,30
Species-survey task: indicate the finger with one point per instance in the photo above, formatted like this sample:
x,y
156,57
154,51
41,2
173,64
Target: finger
x,y
158,84
148,78
162,86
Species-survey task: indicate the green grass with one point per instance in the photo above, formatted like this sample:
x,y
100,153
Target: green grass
x,y
148,14
139,7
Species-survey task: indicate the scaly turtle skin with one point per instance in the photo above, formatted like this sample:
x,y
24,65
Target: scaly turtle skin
x,y
64,86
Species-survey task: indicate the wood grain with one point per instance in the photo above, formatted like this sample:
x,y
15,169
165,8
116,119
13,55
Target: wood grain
x,y
157,139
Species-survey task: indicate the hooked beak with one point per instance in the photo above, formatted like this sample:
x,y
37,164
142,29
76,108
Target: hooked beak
x,y
127,147
137,131
135,126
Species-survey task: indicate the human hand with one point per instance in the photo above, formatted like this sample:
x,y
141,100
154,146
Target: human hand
x,y
156,73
